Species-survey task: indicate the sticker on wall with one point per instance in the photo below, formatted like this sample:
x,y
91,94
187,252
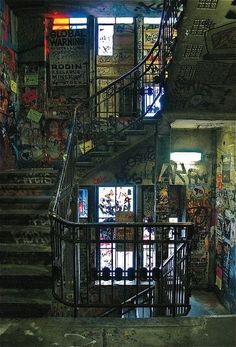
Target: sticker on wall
x,y
86,146
219,182
226,168
31,80
219,275
29,96
34,115
13,86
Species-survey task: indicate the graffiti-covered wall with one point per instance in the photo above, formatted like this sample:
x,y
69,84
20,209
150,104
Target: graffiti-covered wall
x,y
225,252
42,127
8,87
198,179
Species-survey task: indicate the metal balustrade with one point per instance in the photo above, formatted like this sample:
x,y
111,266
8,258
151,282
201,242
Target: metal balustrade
x,y
80,281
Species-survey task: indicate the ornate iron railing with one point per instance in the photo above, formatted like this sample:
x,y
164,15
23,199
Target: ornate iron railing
x,y
129,281
123,103
97,120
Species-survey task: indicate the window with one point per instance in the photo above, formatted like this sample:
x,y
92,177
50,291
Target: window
x,y
112,202
105,40
106,32
152,20
82,203
69,23
152,102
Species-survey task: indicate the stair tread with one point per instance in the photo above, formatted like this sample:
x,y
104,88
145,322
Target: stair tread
x,y
100,154
28,171
23,185
25,296
24,248
25,198
24,270
84,163
17,228
135,132
120,142
23,211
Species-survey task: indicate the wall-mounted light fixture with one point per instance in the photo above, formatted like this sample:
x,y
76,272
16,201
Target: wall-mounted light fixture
x,y
186,157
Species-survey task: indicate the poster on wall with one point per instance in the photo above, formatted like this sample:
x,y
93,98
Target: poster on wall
x,y
68,57
226,168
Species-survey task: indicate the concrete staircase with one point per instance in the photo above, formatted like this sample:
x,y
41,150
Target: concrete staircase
x,y
111,150
25,255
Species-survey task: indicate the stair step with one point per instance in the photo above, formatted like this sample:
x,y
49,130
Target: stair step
x,y
118,142
24,217
29,176
25,199
26,187
21,248
131,132
24,212
21,296
100,154
22,234
25,254
25,303
84,164
25,276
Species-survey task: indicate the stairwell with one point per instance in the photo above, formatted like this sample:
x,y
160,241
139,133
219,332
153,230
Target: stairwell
x,y
25,253
113,150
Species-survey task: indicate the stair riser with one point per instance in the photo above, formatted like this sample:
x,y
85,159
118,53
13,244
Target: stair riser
x,y
25,258
24,220
25,237
25,282
16,310
21,192
28,177
24,205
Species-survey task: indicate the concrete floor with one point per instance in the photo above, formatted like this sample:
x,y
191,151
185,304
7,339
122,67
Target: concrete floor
x,y
213,328
205,303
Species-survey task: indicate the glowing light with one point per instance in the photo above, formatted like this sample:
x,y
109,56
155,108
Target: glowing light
x,y
186,157
152,20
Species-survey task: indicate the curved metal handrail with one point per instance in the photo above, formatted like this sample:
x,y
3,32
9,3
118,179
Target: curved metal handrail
x,y
99,119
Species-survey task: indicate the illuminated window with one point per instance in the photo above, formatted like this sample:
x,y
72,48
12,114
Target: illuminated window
x,y
83,203
106,32
152,100
105,39
69,23
115,20
112,201
152,20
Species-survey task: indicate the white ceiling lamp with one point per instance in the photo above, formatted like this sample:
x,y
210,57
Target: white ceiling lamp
x,y
186,157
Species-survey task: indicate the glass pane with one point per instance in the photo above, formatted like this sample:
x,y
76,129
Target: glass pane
x,y
106,20
105,40
60,24
83,203
124,20
111,202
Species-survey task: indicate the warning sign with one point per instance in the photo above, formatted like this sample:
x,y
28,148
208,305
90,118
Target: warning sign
x,y
68,57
